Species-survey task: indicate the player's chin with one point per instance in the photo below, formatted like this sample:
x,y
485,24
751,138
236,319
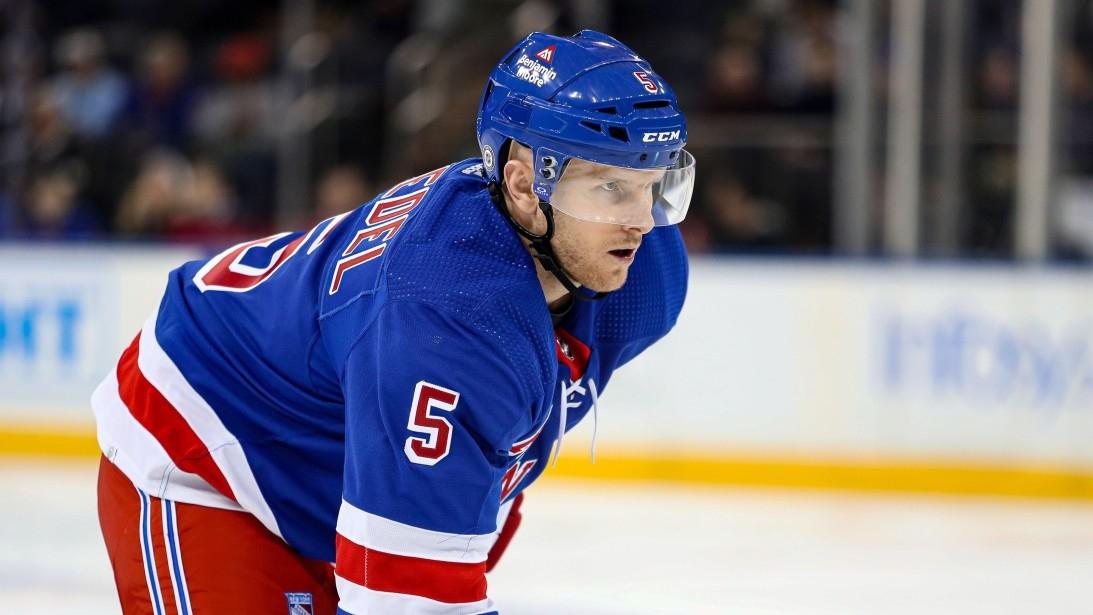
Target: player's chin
x,y
608,281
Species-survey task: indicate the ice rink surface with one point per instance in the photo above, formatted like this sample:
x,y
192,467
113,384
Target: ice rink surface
x,y
597,548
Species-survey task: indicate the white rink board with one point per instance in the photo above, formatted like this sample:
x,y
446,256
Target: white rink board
x,y
66,313
807,358
875,361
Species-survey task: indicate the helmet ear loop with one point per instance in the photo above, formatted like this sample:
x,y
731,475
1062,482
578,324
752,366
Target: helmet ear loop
x,y
548,213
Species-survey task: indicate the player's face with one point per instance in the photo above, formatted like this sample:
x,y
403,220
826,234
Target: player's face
x,y
598,255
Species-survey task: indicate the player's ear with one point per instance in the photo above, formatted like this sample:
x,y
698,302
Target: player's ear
x,y
519,192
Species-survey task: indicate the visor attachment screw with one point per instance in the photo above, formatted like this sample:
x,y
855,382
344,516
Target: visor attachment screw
x,y
549,161
547,173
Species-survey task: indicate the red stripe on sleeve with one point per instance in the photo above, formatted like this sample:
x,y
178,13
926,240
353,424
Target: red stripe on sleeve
x,y
441,581
163,421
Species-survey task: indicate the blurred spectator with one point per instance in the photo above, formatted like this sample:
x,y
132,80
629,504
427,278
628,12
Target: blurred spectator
x,y
433,124
738,220
8,221
998,78
163,99
802,190
1077,134
54,211
206,211
152,198
173,200
50,141
236,119
733,79
991,211
238,110
802,71
341,189
90,93
769,60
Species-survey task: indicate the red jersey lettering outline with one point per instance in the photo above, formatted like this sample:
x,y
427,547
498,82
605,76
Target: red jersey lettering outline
x,y
517,473
226,271
523,445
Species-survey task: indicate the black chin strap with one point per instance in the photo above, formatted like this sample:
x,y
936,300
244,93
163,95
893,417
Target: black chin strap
x,y
540,244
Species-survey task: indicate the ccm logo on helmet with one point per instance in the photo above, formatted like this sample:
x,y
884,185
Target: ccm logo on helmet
x,y
652,137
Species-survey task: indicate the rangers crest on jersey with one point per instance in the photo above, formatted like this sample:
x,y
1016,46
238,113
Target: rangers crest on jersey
x,y
300,603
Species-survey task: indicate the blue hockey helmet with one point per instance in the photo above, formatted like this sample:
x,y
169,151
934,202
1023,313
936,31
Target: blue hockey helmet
x,y
592,98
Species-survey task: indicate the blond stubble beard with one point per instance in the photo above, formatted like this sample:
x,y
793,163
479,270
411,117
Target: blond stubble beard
x,y
586,265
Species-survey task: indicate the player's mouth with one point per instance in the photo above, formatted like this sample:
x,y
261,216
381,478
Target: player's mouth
x,y
624,254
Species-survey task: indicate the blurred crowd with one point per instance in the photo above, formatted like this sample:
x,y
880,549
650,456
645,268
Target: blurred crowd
x,y
203,122
163,123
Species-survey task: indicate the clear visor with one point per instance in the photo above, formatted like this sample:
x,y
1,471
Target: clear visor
x,y
629,197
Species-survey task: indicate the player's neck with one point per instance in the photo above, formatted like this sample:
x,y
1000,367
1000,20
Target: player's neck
x,y
556,294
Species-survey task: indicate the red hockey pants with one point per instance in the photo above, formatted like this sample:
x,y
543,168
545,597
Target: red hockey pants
x,y
171,558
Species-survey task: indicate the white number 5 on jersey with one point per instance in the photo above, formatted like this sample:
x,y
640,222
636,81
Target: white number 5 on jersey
x,y
437,431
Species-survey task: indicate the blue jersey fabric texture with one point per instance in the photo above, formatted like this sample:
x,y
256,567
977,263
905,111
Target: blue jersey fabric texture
x,y
318,387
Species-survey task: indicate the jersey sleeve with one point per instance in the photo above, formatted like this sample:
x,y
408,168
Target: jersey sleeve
x,y
432,409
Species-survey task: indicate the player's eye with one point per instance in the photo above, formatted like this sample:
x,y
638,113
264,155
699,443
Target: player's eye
x,y
610,186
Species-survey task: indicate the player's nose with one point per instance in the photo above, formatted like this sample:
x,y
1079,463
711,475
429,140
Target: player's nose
x,y
642,225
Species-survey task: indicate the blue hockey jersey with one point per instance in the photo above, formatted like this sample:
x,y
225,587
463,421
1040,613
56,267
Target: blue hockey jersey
x,y
380,386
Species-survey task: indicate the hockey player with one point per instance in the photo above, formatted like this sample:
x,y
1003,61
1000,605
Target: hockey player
x,y
344,419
